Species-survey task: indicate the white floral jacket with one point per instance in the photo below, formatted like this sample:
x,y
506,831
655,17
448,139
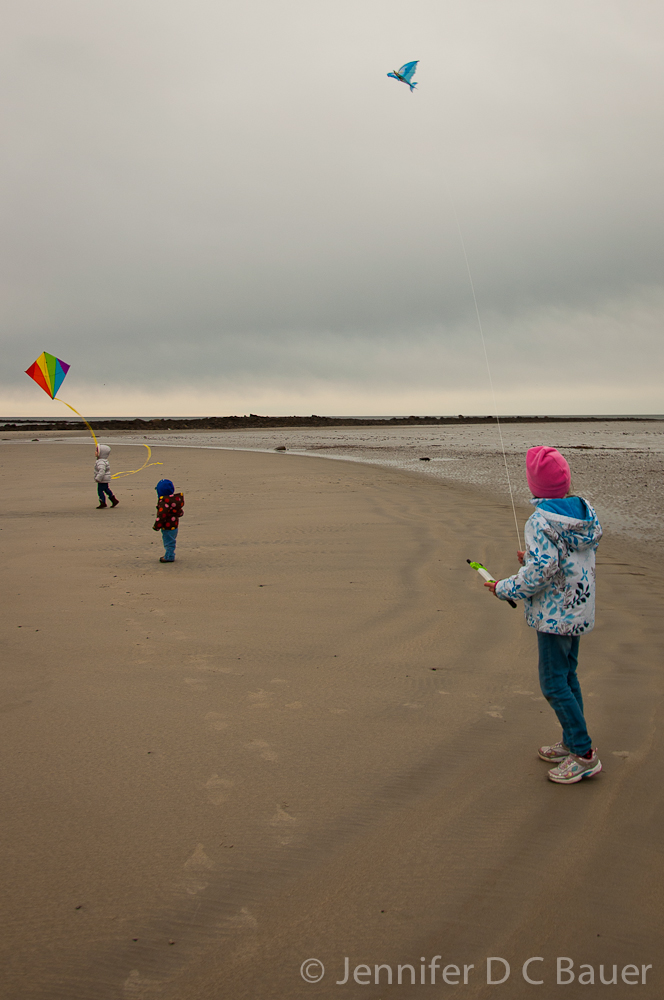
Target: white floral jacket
x,y
557,581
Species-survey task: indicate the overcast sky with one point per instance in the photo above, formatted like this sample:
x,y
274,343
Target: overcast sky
x,y
225,206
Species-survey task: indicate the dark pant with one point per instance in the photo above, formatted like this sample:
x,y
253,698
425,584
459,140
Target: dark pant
x,y
169,536
558,658
104,488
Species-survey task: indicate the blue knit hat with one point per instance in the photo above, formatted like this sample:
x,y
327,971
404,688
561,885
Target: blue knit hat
x,y
165,488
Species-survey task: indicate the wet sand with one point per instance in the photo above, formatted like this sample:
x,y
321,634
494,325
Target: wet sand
x,y
311,736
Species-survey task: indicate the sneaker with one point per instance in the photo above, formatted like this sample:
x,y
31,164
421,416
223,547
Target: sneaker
x,y
163,559
574,768
555,753
101,506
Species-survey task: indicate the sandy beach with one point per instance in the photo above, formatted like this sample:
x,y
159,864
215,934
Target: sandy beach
x,y
312,736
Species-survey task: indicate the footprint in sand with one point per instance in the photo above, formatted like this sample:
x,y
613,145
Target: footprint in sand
x,y
495,711
201,663
620,753
260,699
136,986
215,720
283,821
195,683
244,920
263,749
282,818
195,866
217,789
199,861
519,691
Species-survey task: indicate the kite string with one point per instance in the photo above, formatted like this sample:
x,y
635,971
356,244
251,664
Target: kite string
x,y
486,357
82,418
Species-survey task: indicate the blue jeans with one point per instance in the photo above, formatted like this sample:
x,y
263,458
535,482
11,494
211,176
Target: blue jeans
x,y
558,658
104,488
169,536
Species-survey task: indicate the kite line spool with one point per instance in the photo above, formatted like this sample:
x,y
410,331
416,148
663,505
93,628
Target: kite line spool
x,y
484,573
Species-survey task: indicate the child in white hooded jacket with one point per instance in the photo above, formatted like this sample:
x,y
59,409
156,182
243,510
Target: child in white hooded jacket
x,y
103,477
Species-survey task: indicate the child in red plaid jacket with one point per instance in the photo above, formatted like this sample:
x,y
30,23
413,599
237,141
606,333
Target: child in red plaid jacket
x,y
169,512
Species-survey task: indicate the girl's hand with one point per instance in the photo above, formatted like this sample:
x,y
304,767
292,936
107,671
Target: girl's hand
x,y
520,557
492,586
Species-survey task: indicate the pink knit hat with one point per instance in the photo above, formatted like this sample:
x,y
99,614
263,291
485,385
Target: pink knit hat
x,y
548,473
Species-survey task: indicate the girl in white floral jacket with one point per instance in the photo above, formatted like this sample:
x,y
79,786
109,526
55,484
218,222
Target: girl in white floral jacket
x,y
557,584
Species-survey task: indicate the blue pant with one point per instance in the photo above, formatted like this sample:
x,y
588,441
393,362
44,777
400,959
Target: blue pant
x,y
558,658
169,536
104,488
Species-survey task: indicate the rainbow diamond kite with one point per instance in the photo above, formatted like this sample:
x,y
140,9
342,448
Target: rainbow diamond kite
x,y
48,372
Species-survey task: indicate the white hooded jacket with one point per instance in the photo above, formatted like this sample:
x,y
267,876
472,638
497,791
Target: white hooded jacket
x,y
102,465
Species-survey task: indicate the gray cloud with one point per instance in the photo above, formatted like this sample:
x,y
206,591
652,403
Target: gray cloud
x,y
193,189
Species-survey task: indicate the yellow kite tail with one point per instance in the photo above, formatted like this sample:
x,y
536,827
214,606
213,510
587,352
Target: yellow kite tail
x,y
146,464
82,418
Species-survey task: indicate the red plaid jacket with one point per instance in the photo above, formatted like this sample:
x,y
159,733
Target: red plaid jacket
x,y
169,512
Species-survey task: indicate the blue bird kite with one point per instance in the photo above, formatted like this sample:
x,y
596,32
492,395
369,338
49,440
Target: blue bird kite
x,y
406,74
